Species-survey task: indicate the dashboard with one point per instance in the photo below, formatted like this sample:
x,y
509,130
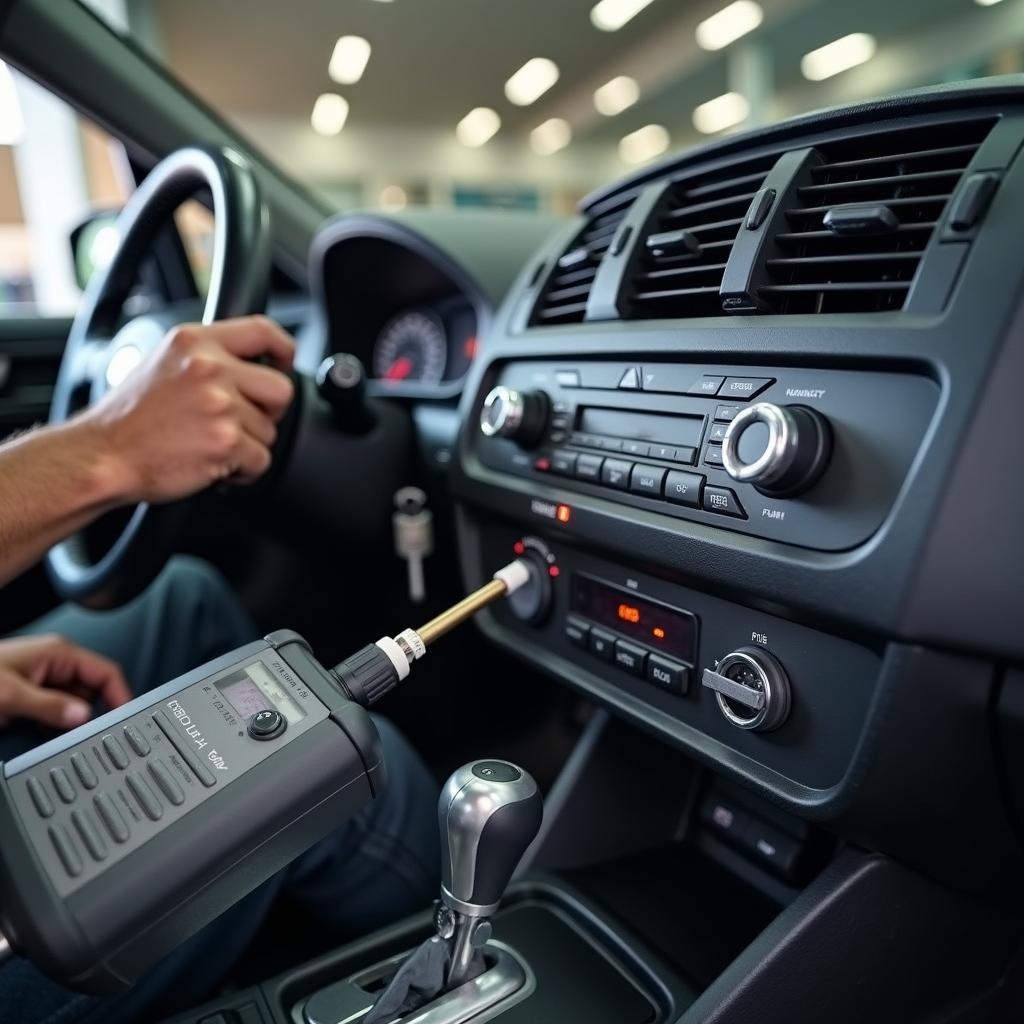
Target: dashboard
x,y
427,344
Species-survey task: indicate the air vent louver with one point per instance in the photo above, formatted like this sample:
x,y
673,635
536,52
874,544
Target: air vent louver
x,y
901,180
680,266
565,294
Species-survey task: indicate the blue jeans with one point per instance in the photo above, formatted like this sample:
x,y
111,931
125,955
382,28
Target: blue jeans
x,y
377,867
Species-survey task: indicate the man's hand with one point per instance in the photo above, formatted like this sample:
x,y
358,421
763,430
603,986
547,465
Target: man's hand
x,y
197,411
45,677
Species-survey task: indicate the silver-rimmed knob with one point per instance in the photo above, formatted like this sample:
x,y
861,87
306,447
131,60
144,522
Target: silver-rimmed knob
x,y
751,688
794,448
519,415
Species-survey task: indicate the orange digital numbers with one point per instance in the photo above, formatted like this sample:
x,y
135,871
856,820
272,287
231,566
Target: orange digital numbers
x,y
658,632
629,613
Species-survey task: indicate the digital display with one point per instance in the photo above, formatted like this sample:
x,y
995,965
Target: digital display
x,y
684,431
254,688
655,625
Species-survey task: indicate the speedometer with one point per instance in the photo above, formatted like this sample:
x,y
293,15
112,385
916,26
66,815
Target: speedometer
x,y
411,347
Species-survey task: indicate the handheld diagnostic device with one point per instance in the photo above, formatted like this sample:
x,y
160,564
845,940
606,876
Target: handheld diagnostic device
x,y
122,838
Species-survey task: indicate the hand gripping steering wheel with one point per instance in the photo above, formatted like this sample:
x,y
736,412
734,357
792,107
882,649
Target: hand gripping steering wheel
x,y
102,348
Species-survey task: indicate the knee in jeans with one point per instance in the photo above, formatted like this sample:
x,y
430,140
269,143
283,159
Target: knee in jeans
x,y
186,578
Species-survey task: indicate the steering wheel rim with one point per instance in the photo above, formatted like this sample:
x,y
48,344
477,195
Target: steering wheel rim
x,y
98,351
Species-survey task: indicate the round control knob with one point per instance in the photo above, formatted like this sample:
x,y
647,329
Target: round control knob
x,y
341,380
751,688
532,601
266,725
519,415
780,449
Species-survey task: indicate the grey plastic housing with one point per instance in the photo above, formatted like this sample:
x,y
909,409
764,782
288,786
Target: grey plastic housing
x,y
97,931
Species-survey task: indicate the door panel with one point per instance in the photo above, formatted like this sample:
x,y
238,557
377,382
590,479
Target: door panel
x,y
30,351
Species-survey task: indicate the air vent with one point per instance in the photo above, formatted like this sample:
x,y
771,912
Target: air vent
x,y
564,299
855,240
679,269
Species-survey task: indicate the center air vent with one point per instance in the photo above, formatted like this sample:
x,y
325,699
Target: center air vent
x,y
564,299
678,271
855,238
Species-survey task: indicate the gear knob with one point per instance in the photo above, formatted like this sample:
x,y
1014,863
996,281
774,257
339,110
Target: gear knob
x,y
489,813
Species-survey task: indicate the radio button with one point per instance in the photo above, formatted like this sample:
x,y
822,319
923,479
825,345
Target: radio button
x,y
684,488
717,432
563,463
686,455
713,455
588,467
542,464
647,480
661,451
63,785
567,378
743,389
706,385
630,380
602,644
577,631
115,752
670,380
111,818
630,657
727,413
723,501
84,771
668,674
167,783
41,799
615,473
90,835
635,448
65,850
148,800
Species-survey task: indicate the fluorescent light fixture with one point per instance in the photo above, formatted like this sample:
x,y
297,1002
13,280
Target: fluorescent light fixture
x,y
644,144
611,15
987,3
531,81
478,126
349,59
551,136
12,124
720,113
329,113
838,56
393,197
616,96
729,24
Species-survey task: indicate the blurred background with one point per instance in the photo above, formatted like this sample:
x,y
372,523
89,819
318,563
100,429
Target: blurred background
x,y
518,104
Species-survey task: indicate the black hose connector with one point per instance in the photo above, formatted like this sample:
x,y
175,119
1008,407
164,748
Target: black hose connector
x,y
367,675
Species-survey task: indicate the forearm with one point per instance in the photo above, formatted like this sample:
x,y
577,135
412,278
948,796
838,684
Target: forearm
x,y
53,481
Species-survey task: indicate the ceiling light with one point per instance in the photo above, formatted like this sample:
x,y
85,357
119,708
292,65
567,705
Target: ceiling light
x,y
477,126
987,3
348,62
616,96
551,136
837,56
644,144
720,113
12,124
611,15
393,197
329,113
729,24
531,81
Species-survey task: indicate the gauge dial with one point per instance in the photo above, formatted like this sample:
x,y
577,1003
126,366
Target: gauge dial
x,y
411,347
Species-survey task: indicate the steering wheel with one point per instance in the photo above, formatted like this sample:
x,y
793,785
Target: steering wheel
x,y
102,348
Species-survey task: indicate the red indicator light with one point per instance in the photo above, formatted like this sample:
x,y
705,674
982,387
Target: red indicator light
x,y
659,633
628,613
563,513
470,347
553,571
542,464
519,547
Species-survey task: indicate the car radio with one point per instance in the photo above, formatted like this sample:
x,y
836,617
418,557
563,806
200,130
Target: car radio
x,y
808,457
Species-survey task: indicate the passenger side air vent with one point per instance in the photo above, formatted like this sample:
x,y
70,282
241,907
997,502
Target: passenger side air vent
x,y
855,240
678,271
564,298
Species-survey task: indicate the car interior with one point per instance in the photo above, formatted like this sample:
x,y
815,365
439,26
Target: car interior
x,y
742,405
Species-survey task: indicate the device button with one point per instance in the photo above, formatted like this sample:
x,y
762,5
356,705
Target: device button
x,y
602,644
635,448
630,657
65,849
771,847
647,480
610,444
971,203
267,724
136,740
563,463
717,432
706,385
686,455
90,835
723,501
588,467
577,630
684,488
615,473
668,674
166,782
542,464
39,797
758,209
111,817
713,455
202,773
743,389
115,751
63,785
672,380
84,771
726,819
148,800
630,380
567,378
727,413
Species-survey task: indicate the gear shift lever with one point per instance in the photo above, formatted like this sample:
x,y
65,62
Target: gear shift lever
x,y
489,813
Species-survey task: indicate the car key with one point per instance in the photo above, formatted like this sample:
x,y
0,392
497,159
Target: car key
x,y
414,536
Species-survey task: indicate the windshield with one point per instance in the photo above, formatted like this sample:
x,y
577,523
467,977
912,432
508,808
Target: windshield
x,y
531,104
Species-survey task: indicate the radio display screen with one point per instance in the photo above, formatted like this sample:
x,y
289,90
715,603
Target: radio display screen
x,y
684,431
254,688
656,625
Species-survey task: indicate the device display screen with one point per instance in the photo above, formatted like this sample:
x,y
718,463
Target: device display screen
x,y
670,630
643,426
254,688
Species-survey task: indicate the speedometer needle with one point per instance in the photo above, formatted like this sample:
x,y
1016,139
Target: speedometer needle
x,y
399,369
